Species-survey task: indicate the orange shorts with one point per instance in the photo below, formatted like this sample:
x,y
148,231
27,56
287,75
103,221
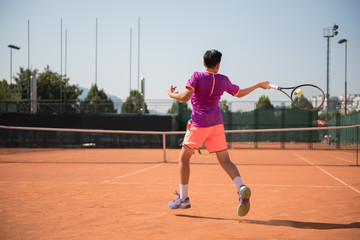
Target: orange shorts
x,y
213,137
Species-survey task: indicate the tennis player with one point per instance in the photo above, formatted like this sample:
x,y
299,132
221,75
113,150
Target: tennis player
x,y
207,126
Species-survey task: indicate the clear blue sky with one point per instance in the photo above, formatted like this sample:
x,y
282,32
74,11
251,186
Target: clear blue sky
x,y
277,40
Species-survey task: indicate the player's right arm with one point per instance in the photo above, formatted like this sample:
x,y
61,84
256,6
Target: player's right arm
x,y
245,91
182,97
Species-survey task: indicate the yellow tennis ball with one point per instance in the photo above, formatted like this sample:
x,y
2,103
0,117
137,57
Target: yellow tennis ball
x,y
299,92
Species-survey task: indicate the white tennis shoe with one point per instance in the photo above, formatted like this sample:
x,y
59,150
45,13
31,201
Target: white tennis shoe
x,y
178,203
244,200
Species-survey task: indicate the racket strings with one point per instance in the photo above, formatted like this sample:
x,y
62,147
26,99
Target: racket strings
x,y
308,97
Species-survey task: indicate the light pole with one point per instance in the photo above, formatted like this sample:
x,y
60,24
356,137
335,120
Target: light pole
x,y
329,33
61,61
340,42
130,61
11,48
96,64
138,75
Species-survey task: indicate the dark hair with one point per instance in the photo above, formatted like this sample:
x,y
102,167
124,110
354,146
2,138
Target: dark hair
x,y
212,58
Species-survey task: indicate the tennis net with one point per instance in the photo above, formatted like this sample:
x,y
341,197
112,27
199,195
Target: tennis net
x,y
290,146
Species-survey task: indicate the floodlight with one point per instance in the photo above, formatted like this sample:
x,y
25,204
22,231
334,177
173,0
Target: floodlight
x,y
14,47
342,41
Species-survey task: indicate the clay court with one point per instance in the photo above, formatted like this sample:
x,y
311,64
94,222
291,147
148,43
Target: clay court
x,y
123,194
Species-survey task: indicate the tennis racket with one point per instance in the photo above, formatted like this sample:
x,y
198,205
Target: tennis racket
x,y
306,97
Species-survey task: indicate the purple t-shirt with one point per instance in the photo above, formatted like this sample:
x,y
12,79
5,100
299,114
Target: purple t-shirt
x,y
208,89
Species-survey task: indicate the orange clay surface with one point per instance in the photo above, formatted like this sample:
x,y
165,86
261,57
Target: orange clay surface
x,y
123,194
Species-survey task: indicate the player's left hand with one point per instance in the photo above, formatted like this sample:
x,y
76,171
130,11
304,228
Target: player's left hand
x,y
172,89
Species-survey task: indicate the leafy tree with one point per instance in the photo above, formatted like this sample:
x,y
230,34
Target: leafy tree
x,y
353,112
264,103
176,105
50,87
224,106
97,102
322,116
23,82
301,102
133,103
332,115
7,93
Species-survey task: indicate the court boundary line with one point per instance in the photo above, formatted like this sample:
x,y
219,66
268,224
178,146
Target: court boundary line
x,y
345,160
195,184
229,184
329,174
134,172
342,159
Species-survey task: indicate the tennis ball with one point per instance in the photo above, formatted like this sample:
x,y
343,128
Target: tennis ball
x,y
299,92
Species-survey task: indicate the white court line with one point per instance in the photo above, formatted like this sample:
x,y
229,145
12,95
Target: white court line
x,y
227,184
324,171
138,171
172,184
345,160
340,158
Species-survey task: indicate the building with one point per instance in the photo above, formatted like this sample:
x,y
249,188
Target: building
x,y
353,103
338,104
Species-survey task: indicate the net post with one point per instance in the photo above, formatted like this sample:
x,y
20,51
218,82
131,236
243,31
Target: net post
x,y
164,146
282,135
256,126
357,145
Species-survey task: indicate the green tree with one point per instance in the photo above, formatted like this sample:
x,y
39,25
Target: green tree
x,y
23,82
301,102
97,102
133,103
7,94
264,103
224,106
353,112
332,116
176,105
51,87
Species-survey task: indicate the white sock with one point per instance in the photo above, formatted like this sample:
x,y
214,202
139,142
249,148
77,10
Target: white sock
x,y
184,188
238,182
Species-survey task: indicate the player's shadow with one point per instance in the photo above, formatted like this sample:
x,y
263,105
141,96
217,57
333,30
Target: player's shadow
x,y
301,224
202,217
283,223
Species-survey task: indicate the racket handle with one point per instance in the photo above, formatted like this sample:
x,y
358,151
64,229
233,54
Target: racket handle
x,y
273,86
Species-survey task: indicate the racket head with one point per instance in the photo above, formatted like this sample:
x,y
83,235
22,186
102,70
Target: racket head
x,y
307,97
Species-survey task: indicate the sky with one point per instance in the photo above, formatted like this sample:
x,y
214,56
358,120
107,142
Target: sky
x,y
280,41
